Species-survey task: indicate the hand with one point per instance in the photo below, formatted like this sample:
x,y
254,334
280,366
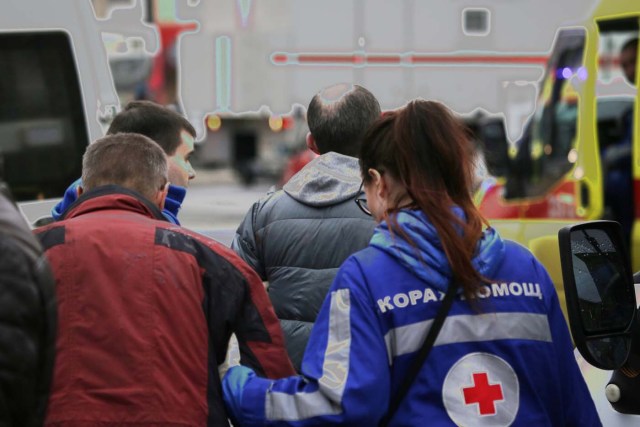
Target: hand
x,y
232,389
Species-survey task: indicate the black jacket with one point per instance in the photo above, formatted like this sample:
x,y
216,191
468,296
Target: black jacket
x,y
27,322
297,238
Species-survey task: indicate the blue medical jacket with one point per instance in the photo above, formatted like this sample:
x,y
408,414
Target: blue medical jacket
x,y
506,359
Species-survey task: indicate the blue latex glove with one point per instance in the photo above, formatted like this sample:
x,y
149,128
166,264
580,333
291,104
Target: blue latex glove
x,y
232,389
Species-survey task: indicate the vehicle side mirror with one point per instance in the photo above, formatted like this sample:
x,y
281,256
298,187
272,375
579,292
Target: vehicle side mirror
x,y
599,290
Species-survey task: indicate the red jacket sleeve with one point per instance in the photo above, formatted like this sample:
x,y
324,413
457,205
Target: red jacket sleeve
x,y
258,329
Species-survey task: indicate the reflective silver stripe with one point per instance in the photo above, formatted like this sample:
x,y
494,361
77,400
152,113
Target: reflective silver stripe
x,y
469,328
327,400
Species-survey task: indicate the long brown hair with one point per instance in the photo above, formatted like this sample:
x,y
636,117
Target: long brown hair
x,y
426,148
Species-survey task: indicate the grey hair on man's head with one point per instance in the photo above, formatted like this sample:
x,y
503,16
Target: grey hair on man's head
x,y
339,115
129,160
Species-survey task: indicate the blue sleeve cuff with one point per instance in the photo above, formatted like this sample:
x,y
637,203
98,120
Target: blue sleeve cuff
x,y
245,395
253,406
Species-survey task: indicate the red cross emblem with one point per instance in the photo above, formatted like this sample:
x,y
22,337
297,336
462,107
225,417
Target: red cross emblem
x,y
483,393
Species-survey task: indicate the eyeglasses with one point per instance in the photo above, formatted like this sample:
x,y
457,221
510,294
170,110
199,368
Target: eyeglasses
x,y
362,201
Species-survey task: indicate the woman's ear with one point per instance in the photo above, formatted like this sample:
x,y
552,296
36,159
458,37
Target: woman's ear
x,y
379,184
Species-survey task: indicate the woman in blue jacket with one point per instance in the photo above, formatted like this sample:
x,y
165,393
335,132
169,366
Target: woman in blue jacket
x,y
503,355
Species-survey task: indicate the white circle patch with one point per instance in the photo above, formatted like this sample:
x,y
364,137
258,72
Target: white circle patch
x,y
481,389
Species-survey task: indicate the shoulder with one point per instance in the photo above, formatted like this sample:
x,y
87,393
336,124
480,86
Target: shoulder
x,y
519,260
516,250
51,235
369,258
18,263
280,206
27,286
379,271
521,266
366,263
273,201
209,253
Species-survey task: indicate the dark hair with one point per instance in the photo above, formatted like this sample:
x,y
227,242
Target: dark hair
x,y
631,43
427,149
130,160
338,117
154,121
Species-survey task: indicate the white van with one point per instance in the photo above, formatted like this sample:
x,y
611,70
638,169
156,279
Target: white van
x,y
56,92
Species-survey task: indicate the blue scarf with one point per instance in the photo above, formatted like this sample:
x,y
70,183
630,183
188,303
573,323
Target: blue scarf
x,y
427,259
172,204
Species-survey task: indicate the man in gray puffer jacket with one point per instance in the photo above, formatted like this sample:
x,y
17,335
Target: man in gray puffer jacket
x,y
296,238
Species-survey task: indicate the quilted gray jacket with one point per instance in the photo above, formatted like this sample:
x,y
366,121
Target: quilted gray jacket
x,y
296,239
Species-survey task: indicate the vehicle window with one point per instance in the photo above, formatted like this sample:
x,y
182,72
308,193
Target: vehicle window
x,y
615,91
490,135
42,122
543,153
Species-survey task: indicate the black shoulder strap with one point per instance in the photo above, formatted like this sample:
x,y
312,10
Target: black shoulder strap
x,y
422,354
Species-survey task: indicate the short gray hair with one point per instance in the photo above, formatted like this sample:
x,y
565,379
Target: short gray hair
x,y
130,160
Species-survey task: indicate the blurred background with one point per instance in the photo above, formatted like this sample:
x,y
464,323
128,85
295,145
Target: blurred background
x,y
244,71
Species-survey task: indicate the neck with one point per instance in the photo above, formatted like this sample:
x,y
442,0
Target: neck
x,y
403,202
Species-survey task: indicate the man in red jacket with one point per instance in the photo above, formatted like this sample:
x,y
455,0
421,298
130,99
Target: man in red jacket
x,y
145,307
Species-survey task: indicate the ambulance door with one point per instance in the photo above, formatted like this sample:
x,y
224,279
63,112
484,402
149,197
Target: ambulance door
x,y
617,135
542,161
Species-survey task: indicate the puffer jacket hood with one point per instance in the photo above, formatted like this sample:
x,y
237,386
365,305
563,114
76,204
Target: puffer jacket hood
x,y
327,180
427,259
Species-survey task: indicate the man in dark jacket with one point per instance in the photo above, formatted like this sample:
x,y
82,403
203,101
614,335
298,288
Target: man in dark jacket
x,y
297,238
616,158
172,132
27,322
146,307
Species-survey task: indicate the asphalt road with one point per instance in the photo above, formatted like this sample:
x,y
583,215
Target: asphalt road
x,y
215,204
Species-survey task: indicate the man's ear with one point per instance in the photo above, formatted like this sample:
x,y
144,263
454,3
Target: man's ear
x,y
311,143
79,190
161,196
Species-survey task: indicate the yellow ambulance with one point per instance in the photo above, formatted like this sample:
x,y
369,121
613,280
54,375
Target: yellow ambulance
x,y
578,158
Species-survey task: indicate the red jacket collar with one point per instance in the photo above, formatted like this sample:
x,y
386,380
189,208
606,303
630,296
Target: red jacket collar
x,y
113,197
